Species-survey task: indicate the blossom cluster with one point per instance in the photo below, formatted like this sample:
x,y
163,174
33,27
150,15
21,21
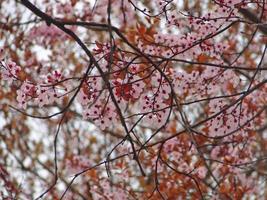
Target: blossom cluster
x,y
41,93
45,34
9,71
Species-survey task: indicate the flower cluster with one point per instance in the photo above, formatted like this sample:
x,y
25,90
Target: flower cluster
x,y
45,34
43,93
77,163
230,120
109,191
10,71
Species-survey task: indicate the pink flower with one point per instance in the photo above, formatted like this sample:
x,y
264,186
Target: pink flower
x,y
10,71
25,93
201,172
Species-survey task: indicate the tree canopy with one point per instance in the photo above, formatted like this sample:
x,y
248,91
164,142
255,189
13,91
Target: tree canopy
x,y
133,99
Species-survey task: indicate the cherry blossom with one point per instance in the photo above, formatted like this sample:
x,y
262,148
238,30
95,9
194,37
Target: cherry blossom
x,y
10,71
77,163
